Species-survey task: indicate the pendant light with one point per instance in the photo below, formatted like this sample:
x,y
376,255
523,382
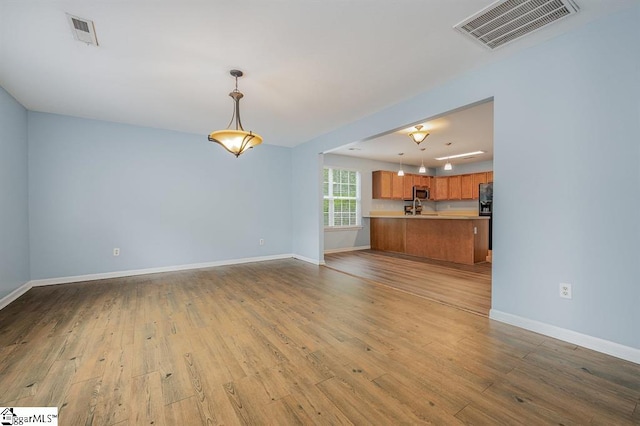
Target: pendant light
x,y
448,165
235,140
418,135
422,169
401,172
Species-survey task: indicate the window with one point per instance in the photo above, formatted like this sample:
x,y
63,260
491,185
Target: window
x,y
341,197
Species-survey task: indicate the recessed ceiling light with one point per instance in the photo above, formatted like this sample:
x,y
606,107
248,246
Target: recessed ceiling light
x,y
460,155
355,149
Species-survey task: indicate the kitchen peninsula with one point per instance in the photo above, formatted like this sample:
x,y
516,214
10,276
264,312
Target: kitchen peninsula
x,y
459,239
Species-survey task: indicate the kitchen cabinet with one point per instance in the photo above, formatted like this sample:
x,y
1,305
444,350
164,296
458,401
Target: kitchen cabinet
x,y
381,184
466,187
440,188
397,186
388,235
388,185
407,186
455,190
422,180
478,178
453,240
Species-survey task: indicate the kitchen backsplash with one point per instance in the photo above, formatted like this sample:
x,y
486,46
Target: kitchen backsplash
x,y
453,207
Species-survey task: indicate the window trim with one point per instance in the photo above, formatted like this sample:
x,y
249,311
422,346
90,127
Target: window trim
x,y
358,199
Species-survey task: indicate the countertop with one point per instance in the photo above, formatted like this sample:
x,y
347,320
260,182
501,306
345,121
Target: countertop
x,y
425,216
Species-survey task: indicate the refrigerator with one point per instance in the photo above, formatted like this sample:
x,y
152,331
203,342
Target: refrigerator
x,y
485,206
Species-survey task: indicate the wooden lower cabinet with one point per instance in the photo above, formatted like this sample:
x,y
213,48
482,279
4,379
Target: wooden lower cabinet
x,y
452,240
388,234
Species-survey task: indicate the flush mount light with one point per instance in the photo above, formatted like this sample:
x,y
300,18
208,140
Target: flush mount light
x,y
460,155
235,140
401,172
418,135
422,168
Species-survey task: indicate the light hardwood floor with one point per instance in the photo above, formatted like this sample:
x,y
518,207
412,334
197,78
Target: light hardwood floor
x,y
286,342
465,287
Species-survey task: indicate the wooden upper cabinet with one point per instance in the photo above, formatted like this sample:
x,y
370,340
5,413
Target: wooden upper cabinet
x,y
381,184
478,178
455,189
388,185
424,181
409,181
466,187
397,186
440,190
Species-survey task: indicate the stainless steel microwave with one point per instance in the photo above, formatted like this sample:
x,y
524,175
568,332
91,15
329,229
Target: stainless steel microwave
x,y
420,192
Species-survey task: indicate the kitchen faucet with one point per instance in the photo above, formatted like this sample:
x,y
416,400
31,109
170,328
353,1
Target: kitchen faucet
x,y
414,205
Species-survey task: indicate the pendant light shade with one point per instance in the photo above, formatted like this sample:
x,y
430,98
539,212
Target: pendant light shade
x,y
418,135
448,165
234,138
422,168
401,172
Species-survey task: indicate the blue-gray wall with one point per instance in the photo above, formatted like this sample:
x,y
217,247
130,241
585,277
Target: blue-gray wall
x,y
566,123
336,239
164,198
14,198
566,126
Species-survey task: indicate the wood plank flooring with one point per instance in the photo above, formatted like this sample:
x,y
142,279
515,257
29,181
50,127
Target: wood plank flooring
x,y
285,342
465,287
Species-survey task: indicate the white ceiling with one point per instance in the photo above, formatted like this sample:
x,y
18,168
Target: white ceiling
x,y
463,131
310,66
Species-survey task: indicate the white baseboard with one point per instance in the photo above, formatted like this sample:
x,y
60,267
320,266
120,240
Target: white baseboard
x,y
605,346
340,250
130,273
15,294
308,259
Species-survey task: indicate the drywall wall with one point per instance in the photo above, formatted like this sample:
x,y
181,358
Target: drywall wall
x,y
558,107
163,198
336,239
14,200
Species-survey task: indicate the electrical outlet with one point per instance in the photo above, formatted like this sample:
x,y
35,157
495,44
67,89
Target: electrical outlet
x,y
261,241
565,290
116,252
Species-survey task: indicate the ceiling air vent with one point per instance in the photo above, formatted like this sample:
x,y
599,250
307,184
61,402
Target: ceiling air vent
x,y
83,30
507,20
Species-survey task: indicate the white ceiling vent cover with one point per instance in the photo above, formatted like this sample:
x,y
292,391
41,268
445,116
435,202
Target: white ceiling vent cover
x,y
507,20
83,29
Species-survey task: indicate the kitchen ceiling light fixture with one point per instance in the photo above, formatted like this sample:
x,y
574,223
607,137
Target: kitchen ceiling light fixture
x,y
466,154
448,165
419,135
401,172
235,140
422,168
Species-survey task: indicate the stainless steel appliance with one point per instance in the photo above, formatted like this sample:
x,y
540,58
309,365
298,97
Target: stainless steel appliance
x,y
485,206
420,192
486,199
